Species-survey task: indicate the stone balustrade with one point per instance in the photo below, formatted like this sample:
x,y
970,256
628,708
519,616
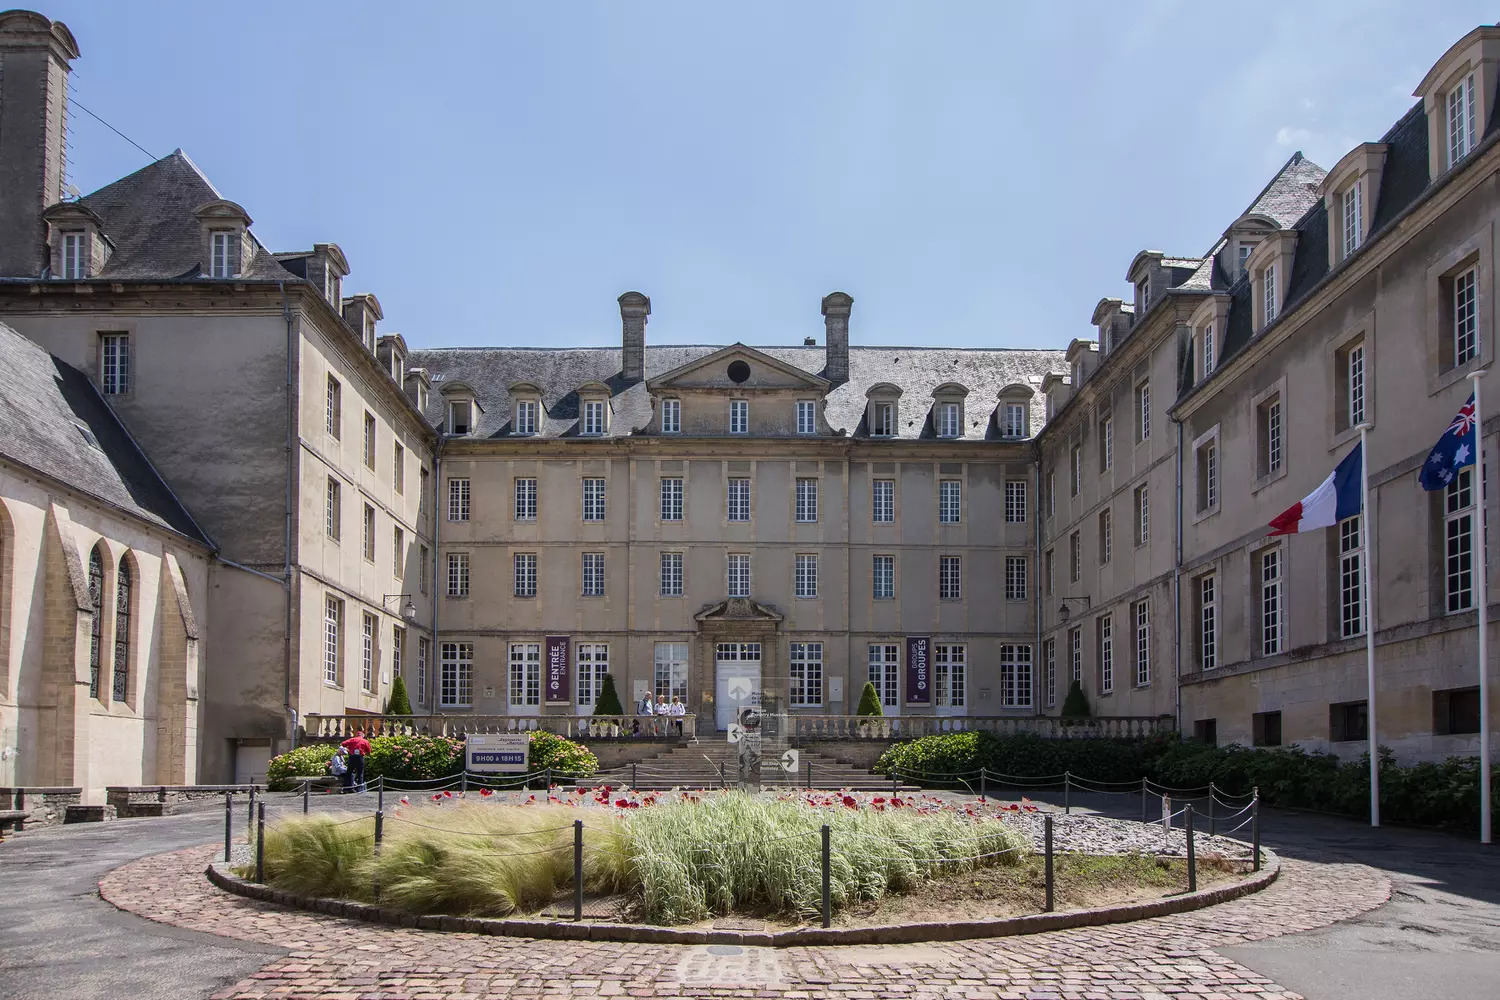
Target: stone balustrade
x,y
662,727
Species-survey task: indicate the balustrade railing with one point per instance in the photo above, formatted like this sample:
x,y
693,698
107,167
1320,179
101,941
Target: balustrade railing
x,y
665,727
864,727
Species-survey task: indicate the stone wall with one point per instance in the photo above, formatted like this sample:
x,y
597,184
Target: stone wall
x,y
172,797
46,805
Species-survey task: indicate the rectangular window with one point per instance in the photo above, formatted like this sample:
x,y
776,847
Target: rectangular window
x,y
1076,469
1015,425
398,468
367,652
73,263
1015,676
398,553
1461,120
1015,501
222,262
885,672
1208,622
739,416
807,500
525,492
1208,477
593,574
807,416
1348,721
1015,578
593,417
1458,540
458,499
1351,581
422,657
1075,556
950,501
1051,494
332,512
1269,434
1208,350
1244,255
458,574
671,670
423,557
671,416
883,501
1271,629
1206,731
949,675
1142,514
369,535
950,578
1075,655
1268,291
524,564
671,498
460,416
1049,572
593,664
1350,214
1354,380
525,417
1106,444
738,573
1143,411
1466,316
806,669
1049,680
333,617
737,500
882,419
1455,711
671,574
884,578
335,409
369,440
1106,536
806,576
1265,729
948,420
422,490
114,363
593,499
1106,638
1140,613
525,687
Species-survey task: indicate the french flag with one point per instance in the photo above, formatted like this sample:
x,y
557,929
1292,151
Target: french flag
x,y
1336,498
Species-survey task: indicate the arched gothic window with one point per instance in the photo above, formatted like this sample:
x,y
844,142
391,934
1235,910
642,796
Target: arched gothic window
x,y
122,633
96,631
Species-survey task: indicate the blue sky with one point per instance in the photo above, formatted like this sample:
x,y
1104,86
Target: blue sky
x,y
974,174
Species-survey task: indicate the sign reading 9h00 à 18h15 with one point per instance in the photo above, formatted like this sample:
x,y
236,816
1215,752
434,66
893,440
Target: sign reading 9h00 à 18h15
x,y
497,753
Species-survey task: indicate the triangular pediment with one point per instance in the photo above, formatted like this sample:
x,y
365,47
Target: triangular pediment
x,y
738,609
721,370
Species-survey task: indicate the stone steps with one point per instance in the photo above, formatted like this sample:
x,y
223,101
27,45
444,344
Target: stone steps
x,y
706,765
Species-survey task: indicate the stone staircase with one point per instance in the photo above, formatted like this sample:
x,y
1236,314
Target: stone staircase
x,y
706,764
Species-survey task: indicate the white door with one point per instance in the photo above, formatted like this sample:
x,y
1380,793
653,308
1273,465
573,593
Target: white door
x,y
885,674
736,680
250,763
523,694
590,664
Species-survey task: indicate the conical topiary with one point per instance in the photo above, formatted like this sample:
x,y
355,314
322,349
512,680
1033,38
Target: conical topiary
x,y
869,701
608,702
1076,704
399,703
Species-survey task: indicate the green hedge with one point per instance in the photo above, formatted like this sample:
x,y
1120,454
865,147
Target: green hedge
x,y
424,758
1022,755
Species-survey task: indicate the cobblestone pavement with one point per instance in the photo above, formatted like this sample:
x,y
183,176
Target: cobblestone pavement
x,y
334,959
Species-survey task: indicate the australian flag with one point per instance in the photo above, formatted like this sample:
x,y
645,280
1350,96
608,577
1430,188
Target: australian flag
x,y
1454,450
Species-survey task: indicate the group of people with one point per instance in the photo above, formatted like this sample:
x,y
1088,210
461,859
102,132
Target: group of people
x,y
662,707
348,763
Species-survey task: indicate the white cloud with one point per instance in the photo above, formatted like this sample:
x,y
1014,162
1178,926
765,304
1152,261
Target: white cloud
x,y
1289,136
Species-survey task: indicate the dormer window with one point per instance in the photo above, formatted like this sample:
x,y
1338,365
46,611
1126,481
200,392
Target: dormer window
x,y
367,333
1351,217
1143,294
75,254
1458,95
1460,118
1347,192
1014,423
671,416
1077,374
224,254
1270,271
460,416
1268,293
807,416
333,288
949,420
1206,349
882,419
1245,250
525,420
593,417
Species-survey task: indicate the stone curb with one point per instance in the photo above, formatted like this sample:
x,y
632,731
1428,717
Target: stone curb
x,y
801,937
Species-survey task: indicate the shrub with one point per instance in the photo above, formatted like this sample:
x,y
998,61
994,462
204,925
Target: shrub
x,y
608,702
563,756
1076,704
414,758
869,701
399,704
424,758
1022,755
304,761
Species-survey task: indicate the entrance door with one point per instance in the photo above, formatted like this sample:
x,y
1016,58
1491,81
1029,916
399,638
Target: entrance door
x,y
736,680
885,674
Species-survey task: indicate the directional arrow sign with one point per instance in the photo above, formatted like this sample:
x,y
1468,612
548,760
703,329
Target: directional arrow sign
x,y
736,732
739,688
789,762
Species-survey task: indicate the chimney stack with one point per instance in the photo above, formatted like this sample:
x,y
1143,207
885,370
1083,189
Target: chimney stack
x,y
37,54
836,306
634,308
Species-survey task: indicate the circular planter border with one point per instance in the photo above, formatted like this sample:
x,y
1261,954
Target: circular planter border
x,y
799,937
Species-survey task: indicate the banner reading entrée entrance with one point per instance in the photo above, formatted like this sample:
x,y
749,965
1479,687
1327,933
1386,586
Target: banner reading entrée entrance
x,y
918,671
559,686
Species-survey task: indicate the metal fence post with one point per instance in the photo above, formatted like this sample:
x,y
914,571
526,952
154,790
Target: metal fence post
x,y
463,780
578,869
827,893
1192,855
228,822
1047,842
1145,791
1255,830
635,779
549,779
894,786
983,787
250,812
379,834
809,776
306,795
1166,811
1067,791
380,794
260,845
1213,823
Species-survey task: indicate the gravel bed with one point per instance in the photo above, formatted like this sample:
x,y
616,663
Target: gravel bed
x,y
1103,835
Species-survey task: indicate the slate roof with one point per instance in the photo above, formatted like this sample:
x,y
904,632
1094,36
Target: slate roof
x,y
1291,192
490,371
53,420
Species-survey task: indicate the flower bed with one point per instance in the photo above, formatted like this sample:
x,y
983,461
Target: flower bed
x,y
424,758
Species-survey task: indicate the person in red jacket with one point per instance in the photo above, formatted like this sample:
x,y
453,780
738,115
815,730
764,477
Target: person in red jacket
x,y
358,748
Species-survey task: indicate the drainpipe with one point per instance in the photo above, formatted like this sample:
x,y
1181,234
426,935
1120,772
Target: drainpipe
x,y
1036,508
1177,588
435,653
291,473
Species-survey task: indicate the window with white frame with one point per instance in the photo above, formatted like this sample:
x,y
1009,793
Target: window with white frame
x,y
525,675
1460,119
739,416
369,533
333,619
671,669
671,498
1075,556
525,492
806,575
1269,435
949,674
1106,536
806,674
1075,469
1143,411
422,658
884,660
1015,578
1350,204
1075,654
332,510
74,257
114,363
334,411
398,467
1245,250
738,573
884,577
1208,350
1015,501
593,665
1142,514
1106,628
807,416
948,420
423,564
524,564
367,652
1465,316
950,578
882,419
671,574
398,553
526,417
458,499
1208,476
1354,382
1015,675
807,500
1208,621
950,501
883,501
737,500
1351,582
458,574
222,260
671,416
1049,671
1272,627
1140,613
1143,294
1458,541
460,416
593,416
1106,444
456,674
1015,424
1268,293
369,440
593,499
593,574
1049,571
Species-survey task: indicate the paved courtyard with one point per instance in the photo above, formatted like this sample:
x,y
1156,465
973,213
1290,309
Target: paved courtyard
x,y
1324,931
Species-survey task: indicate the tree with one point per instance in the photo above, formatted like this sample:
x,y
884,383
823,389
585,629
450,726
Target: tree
x,y
1076,704
608,702
869,701
399,703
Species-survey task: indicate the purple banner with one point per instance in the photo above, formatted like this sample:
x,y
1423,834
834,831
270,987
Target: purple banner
x,y
918,670
559,676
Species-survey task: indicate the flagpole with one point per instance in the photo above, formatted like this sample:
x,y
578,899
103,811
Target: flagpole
x,y
1367,525
1482,592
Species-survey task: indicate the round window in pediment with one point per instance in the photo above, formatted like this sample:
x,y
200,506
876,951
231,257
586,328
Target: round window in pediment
x,y
738,372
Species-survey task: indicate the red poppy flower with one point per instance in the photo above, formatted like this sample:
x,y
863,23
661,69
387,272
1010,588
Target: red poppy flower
x,y
448,795
850,803
486,792
437,798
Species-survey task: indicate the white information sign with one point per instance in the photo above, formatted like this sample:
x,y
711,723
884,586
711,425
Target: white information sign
x,y
498,753
736,732
789,762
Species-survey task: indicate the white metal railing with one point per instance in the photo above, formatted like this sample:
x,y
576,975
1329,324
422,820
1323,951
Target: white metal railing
x,y
576,727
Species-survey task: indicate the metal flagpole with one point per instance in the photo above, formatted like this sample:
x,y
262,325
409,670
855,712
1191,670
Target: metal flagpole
x,y
1482,593
1367,525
